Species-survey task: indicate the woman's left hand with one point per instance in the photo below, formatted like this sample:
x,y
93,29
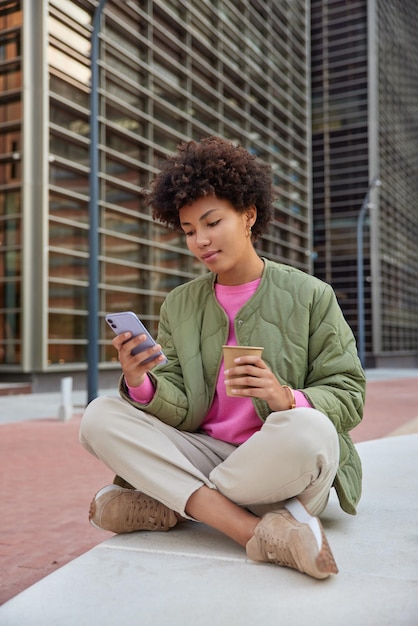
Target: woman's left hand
x,y
258,381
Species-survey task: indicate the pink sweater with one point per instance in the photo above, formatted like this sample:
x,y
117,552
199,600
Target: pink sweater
x,y
230,419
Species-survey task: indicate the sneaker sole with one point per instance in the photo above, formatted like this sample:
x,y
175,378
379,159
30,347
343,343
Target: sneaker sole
x,y
325,561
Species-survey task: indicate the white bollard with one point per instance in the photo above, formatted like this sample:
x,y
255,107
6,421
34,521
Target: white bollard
x,y
66,408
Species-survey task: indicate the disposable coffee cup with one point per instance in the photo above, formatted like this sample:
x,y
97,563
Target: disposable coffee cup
x,y
233,352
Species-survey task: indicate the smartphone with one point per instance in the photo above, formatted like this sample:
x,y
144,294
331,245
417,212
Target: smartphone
x,y
127,321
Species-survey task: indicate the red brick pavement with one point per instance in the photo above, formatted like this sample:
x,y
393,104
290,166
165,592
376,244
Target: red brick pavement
x,y
390,405
47,482
48,479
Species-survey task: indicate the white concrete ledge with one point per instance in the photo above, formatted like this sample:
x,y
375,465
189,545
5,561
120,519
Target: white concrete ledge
x,y
194,576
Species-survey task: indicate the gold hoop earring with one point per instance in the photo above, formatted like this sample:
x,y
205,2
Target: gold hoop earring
x,y
249,231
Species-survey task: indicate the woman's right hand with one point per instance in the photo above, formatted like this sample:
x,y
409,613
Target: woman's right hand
x,y
133,366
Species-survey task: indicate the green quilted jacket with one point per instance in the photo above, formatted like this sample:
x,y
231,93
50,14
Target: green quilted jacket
x,y
307,344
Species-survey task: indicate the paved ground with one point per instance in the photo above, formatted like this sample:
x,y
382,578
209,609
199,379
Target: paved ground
x,y
47,479
193,575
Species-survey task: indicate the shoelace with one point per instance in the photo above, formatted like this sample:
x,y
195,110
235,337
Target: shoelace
x,y
147,512
278,551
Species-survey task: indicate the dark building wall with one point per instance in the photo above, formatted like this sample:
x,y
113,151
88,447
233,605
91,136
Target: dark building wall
x,y
364,125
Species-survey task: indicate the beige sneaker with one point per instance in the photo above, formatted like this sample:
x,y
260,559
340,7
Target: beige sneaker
x,y
293,538
125,511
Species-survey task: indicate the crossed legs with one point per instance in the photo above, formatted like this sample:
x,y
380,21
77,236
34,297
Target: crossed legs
x,y
294,454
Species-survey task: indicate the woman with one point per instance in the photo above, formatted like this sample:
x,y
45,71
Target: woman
x,y
257,466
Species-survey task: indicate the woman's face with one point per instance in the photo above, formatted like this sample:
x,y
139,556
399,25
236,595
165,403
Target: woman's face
x,y
219,236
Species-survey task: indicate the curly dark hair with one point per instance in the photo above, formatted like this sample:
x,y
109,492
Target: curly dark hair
x,y
213,166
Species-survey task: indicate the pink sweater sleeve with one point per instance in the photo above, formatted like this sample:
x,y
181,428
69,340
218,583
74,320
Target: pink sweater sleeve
x,y
144,393
301,400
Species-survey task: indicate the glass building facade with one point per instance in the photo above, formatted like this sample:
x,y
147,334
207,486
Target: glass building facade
x,y
365,125
168,71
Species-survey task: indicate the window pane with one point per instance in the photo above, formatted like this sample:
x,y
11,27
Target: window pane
x,y
70,119
68,208
66,353
64,147
10,232
67,236
66,266
70,180
63,296
72,330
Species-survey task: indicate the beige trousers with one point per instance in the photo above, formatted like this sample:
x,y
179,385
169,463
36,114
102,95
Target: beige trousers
x,y
295,453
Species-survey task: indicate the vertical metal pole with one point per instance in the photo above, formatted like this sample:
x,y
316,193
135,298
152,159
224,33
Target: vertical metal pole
x,y
360,272
93,267
360,280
